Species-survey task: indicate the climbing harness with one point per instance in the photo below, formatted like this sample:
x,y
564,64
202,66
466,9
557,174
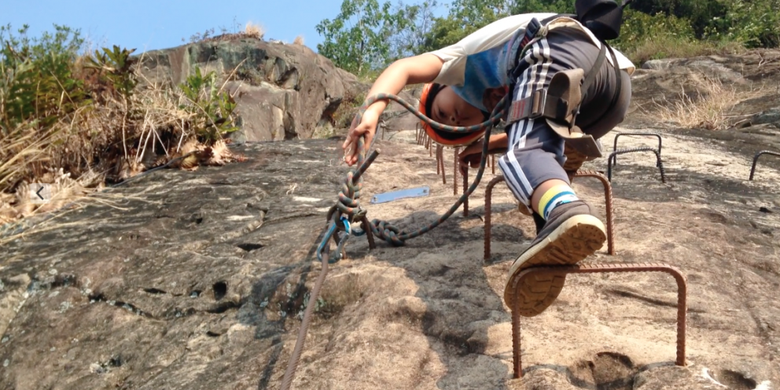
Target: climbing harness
x,y
559,104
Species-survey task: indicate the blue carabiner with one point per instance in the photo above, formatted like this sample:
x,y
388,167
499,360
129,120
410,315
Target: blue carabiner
x,y
325,239
345,221
336,255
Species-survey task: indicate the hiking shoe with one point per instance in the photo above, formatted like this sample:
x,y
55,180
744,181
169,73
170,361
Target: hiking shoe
x,y
570,235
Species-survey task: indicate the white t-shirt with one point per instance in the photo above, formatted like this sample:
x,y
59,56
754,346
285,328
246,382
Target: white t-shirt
x,y
484,51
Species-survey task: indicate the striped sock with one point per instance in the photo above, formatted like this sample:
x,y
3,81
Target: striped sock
x,y
555,196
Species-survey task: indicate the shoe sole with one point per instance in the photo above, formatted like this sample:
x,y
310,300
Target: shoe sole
x,y
577,238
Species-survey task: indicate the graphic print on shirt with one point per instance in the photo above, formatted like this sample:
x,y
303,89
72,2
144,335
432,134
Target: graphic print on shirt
x,y
482,73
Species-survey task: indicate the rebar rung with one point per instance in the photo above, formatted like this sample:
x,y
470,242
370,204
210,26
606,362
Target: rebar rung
x,y
755,160
613,157
682,293
614,146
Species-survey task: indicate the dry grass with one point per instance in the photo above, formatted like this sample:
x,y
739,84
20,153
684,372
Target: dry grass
x,y
672,47
347,290
298,40
109,141
254,30
707,107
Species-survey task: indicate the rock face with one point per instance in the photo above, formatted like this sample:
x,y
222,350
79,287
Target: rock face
x,y
283,91
397,118
184,280
198,280
755,73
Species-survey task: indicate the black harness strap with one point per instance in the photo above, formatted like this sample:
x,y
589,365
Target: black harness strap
x,y
590,77
618,79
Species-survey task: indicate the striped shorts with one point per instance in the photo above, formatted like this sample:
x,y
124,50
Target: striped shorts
x,y
535,151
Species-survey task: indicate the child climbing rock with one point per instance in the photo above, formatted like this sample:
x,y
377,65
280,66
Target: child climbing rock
x,y
568,88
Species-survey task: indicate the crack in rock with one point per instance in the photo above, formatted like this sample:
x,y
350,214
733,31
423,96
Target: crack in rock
x,y
124,305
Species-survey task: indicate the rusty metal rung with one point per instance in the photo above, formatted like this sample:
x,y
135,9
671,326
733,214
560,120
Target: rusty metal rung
x,y
755,160
660,141
489,213
456,151
682,293
441,170
612,160
609,205
465,190
440,163
491,162
366,227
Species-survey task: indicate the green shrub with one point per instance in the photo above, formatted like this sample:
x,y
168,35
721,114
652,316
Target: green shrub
x,y
61,109
36,81
115,67
754,23
211,108
37,92
645,37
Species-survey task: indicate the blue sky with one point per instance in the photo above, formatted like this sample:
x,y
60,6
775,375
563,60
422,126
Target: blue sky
x,y
149,25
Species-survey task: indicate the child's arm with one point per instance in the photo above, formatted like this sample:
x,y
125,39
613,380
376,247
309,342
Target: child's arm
x,y
413,70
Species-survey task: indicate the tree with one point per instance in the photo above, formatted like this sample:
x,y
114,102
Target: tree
x,y
556,6
445,31
356,40
412,26
467,16
478,13
700,13
366,36
754,23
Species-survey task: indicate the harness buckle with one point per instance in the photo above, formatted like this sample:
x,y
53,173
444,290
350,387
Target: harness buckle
x,y
538,104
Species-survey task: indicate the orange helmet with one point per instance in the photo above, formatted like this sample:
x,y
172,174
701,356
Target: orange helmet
x,y
445,138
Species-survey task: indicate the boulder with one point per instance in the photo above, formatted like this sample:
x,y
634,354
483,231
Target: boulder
x,y
397,118
715,67
282,91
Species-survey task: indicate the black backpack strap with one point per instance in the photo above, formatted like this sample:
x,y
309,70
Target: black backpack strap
x,y
618,78
590,77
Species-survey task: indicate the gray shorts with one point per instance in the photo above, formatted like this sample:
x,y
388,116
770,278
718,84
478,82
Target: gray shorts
x,y
535,152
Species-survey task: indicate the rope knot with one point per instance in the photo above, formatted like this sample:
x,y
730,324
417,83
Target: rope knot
x,y
349,196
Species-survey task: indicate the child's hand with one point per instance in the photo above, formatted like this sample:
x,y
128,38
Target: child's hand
x,y
471,156
366,128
